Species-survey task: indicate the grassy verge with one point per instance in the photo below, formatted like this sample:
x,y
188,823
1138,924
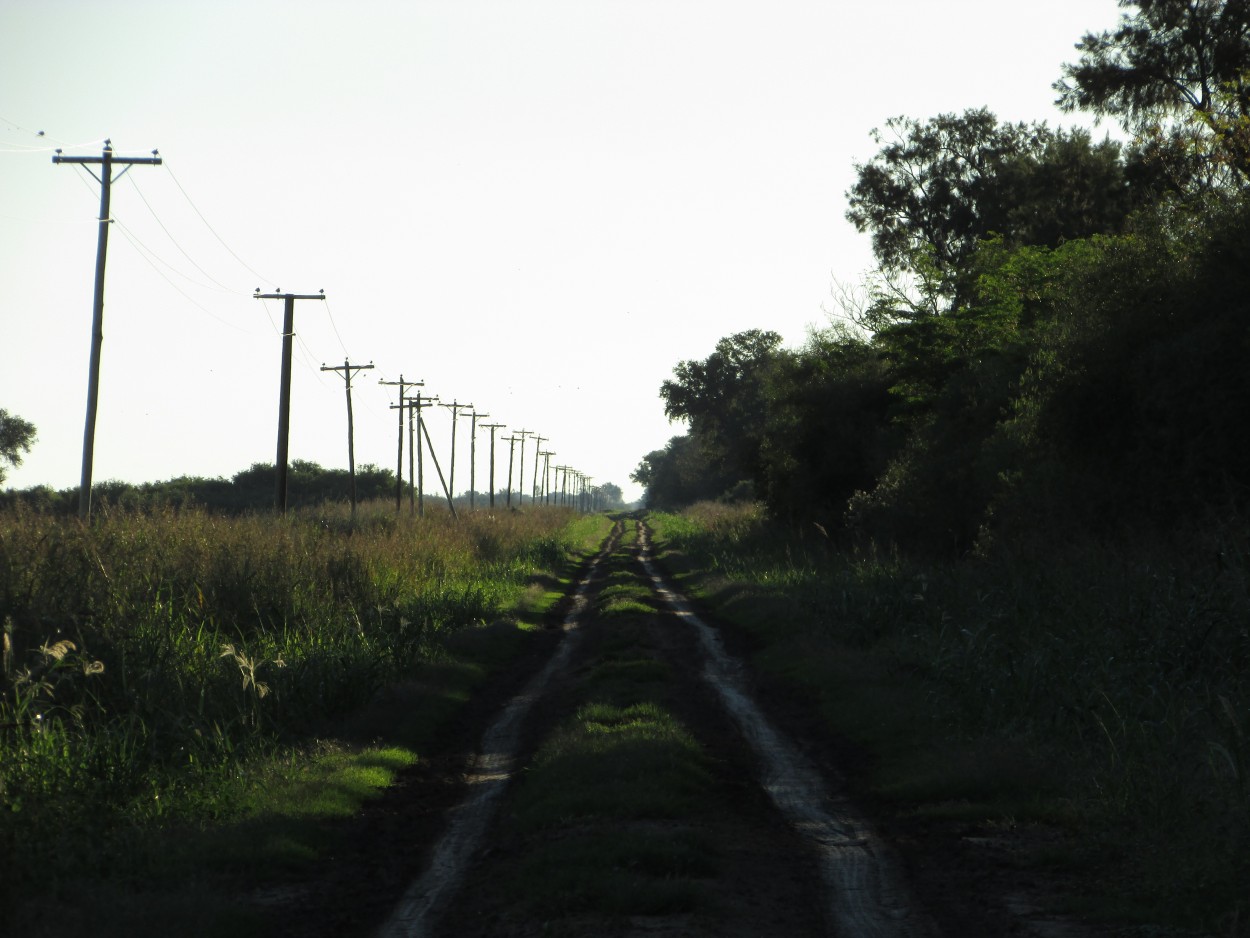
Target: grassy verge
x,y
186,700
1094,690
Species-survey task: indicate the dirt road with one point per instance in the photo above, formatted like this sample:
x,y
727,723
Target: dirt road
x,y
623,780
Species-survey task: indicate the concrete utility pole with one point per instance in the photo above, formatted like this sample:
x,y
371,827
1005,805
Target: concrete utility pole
x,y
520,483
538,441
493,427
399,459
455,407
284,392
106,161
349,370
473,457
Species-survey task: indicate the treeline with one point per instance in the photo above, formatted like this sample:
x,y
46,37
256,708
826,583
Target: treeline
x,y
308,484
1056,336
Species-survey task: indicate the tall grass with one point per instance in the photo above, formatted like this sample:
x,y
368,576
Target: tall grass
x,y
1122,671
147,657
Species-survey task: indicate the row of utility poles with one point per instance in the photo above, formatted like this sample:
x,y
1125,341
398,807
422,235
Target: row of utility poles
x,y
574,491
572,487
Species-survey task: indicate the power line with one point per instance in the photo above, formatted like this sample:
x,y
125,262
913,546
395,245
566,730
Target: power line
x,y
175,243
333,326
213,231
141,248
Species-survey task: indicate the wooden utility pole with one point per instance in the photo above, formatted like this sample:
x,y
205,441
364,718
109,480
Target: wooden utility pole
x,y
493,427
562,477
520,484
446,491
399,458
545,490
284,391
106,161
349,370
511,441
455,407
473,457
538,441
420,404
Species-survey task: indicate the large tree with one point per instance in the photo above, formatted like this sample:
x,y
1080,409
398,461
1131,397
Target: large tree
x,y
16,438
723,399
1169,59
937,188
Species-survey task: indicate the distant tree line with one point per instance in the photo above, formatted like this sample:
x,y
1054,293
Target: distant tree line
x,y
1056,334
249,490
309,484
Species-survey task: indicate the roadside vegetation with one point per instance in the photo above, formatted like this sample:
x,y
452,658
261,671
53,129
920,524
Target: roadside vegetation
x,y
1100,695
186,698
993,516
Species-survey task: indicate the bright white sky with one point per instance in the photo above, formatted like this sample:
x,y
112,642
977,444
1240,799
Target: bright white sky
x,y
536,206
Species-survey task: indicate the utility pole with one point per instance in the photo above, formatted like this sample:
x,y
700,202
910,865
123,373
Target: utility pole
x,y
562,473
446,491
284,392
511,441
538,440
399,459
420,405
493,427
520,485
455,407
544,491
473,457
106,161
349,370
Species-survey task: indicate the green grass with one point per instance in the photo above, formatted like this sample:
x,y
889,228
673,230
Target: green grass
x,y
190,701
1099,689
608,810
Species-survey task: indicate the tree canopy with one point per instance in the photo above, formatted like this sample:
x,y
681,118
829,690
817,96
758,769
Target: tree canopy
x,y
1171,59
936,188
17,436
723,397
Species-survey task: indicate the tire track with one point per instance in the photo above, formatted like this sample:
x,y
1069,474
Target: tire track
x,y
865,898
486,778
862,895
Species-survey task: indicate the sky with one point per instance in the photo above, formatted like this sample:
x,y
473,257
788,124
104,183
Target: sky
x,y
536,207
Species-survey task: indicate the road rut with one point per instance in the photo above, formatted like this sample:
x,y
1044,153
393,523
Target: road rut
x,y
797,858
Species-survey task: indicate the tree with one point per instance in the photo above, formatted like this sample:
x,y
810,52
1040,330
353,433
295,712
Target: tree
x,y
723,399
1171,58
16,438
828,431
937,188
680,475
610,495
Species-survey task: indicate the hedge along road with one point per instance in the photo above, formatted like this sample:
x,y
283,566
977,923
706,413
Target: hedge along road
x,y
634,787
